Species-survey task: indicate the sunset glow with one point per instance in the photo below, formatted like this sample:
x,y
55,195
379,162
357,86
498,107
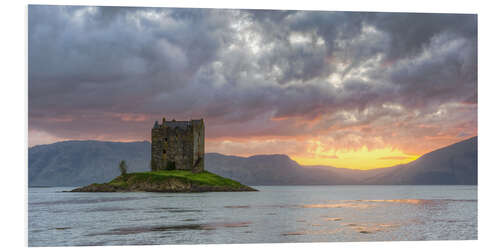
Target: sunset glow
x,y
360,159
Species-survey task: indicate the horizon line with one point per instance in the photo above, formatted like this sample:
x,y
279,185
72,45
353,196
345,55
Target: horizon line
x,y
244,156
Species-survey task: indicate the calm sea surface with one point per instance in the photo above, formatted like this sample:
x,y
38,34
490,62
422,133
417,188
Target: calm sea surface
x,y
275,214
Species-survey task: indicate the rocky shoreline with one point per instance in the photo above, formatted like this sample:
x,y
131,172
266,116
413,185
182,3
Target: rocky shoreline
x,y
169,184
161,188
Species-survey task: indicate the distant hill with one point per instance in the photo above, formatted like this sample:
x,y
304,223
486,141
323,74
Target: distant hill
x,y
76,163
452,165
276,170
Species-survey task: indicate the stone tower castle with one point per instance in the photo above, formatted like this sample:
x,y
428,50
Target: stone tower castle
x,y
178,145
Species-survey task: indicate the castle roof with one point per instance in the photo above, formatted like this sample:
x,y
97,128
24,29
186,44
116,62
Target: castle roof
x,y
177,124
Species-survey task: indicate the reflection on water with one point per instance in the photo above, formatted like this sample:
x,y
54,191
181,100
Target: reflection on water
x,y
167,228
332,219
407,201
339,205
275,214
372,227
366,228
312,232
237,206
84,200
105,209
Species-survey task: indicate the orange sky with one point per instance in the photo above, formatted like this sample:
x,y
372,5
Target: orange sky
x,y
361,158
380,143
319,152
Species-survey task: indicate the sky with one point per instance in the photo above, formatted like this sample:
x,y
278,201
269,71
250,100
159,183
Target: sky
x,y
356,90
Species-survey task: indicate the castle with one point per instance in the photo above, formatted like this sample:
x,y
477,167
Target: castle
x,y
178,145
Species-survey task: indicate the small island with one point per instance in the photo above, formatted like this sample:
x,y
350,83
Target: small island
x,y
177,164
167,181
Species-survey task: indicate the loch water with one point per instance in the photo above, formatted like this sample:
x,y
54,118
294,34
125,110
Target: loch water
x,y
275,214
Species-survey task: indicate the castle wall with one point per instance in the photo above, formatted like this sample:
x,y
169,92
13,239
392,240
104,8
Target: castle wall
x,y
177,145
198,146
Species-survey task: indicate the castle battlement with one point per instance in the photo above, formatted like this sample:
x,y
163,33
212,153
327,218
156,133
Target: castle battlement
x,y
178,145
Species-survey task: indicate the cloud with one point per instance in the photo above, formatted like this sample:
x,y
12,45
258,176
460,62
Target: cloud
x,y
345,79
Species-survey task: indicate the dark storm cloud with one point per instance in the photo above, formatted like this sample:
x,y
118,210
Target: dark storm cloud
x,y
108,55
411,32
110,72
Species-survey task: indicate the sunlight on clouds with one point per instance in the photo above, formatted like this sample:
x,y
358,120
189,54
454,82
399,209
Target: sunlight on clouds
x,y
246,36
392,106
299,38
37,137
80,16
335,79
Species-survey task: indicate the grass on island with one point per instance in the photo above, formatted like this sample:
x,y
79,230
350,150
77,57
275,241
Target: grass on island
x,y
204,178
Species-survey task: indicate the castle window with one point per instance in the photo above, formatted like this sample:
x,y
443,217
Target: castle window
x,y
164,151
166,139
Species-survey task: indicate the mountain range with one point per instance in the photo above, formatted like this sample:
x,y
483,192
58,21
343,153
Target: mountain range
x,y
77,163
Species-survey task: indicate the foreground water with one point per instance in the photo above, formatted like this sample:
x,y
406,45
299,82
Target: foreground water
x,y
275,214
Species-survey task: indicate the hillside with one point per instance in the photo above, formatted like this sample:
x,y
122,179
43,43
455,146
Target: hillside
x,y
452,165
275,170
76,163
